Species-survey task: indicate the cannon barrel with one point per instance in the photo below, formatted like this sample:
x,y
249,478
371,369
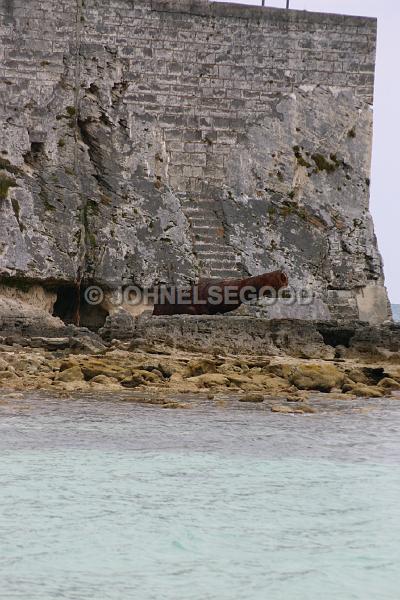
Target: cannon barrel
x,y
214,296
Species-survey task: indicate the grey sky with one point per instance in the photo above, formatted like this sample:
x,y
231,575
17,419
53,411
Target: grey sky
x,y
385,189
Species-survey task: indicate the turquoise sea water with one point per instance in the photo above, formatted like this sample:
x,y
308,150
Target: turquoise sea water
x,y
110,500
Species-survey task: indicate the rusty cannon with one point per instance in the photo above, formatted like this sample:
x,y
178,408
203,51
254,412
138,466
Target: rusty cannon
x,y
213,296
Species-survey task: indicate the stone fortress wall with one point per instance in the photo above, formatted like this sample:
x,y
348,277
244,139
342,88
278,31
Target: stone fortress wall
x,y
151,141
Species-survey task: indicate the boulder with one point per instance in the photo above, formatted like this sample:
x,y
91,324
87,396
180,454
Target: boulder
x,y
93,366
201,366
71,374
104,380
241,381
365,391
256,398
306,408
282,408
358,376
175,405
210,380
387,383
4,375
320,377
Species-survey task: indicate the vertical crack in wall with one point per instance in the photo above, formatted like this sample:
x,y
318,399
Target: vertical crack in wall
x,y
83,245
78,69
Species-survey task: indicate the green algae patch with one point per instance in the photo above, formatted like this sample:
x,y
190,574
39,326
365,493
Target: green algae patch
x,y
323,164
5,165
300,158
351,133
71,111
6,183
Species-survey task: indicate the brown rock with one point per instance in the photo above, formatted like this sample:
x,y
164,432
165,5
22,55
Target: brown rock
x,y
387,383
280,370
92,367
210,380
132,381
281,408
13,396
239,380
257,398
3,364
70,374
364,391
104,380
68,363
358,376
175,405
201,366
306,408
151,376
320,377
6,375
71,386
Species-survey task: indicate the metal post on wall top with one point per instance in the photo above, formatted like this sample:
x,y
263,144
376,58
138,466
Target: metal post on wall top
x,y
287,3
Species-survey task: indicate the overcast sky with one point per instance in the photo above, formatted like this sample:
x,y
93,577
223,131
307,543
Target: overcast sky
x,y
385,188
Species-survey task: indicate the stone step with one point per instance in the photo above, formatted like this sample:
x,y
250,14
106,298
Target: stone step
x,y
197,209
203,247
212,249
226,260
224,269
204,222
216,263
225,274
217,259
210,232
216,248
189,202
217,255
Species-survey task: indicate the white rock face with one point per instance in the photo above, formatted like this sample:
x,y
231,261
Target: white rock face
x,y
156,141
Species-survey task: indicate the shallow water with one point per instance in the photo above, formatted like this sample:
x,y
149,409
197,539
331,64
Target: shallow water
x,y
108,500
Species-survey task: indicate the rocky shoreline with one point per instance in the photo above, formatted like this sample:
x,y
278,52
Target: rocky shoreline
x,y
154,372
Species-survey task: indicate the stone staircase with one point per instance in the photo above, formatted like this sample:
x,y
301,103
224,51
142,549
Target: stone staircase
x,y
217,259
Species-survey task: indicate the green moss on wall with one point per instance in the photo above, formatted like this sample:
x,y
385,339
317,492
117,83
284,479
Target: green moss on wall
x,y
6,183
323,164
352,133
7,166
300,158
71,111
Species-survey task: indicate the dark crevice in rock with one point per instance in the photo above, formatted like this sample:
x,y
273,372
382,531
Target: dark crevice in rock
x,y
36,154
16,208
374,375
336,336
95,152
72,308
89,207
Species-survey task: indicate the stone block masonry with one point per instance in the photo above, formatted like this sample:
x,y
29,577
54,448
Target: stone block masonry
x,y
151,141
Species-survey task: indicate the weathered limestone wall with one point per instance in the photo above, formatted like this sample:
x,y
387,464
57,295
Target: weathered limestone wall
x,y
148,141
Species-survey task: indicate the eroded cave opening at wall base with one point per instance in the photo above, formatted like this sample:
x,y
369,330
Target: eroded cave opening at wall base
x,y
156,141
